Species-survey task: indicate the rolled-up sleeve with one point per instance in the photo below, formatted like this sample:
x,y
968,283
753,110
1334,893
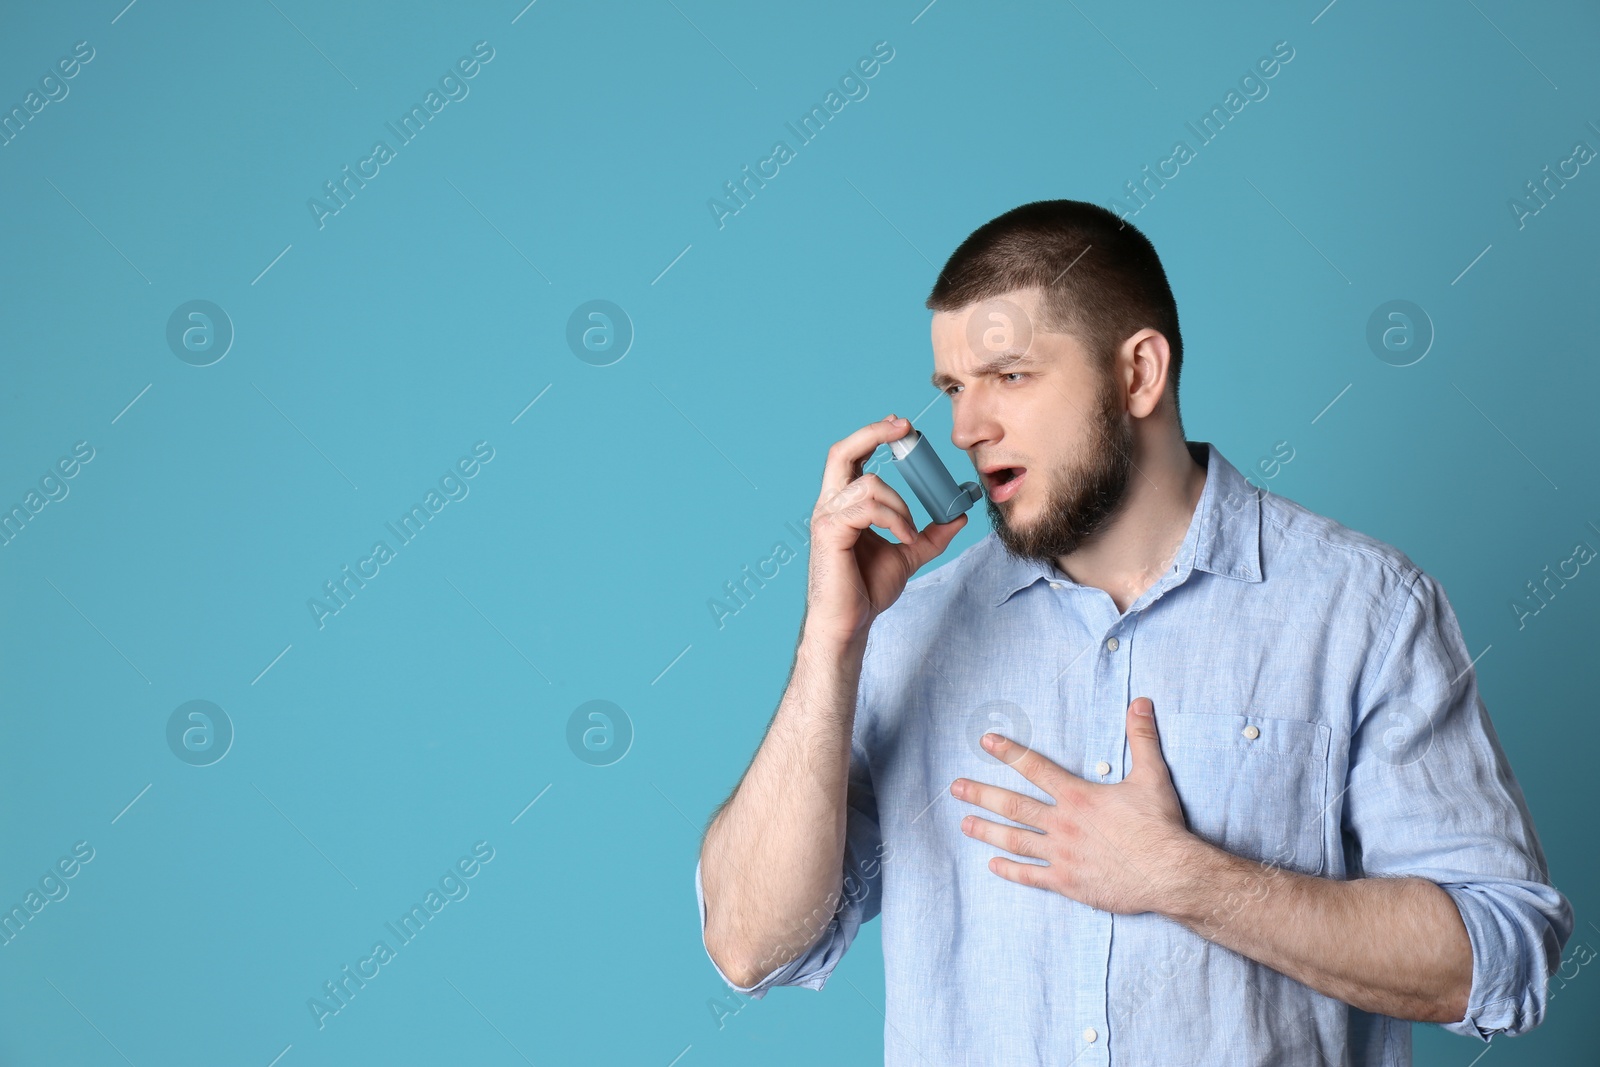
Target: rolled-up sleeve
x,y
1430,794
860,898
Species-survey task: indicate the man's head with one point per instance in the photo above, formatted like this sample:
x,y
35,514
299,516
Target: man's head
x,y
1055,335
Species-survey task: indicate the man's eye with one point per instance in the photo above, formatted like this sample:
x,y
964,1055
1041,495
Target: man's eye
x,y
1004,374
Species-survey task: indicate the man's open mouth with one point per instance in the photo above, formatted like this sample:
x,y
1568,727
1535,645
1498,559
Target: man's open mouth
x,y
1002,476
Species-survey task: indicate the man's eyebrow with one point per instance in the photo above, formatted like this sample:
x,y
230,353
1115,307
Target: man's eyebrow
x,y
1005,361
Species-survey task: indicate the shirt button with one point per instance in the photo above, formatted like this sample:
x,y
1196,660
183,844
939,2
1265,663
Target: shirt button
x,y
1090,1035
1102,769
1055,585
1111,643
1252,731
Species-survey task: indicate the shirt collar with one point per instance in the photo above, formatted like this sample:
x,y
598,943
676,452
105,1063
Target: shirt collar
x,y
1224,535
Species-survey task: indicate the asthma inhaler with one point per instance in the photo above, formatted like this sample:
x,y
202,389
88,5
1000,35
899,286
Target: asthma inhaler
x,y
928,477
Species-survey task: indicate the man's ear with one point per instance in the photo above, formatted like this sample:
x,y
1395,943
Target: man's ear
x,y
1148,361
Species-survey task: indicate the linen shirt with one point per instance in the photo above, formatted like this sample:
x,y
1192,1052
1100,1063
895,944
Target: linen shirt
x,y
1318,710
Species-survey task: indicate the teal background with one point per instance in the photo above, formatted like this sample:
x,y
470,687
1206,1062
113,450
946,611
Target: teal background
x,y
432,310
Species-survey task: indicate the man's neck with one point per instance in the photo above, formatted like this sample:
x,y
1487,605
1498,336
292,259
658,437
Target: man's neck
x,y
1143,539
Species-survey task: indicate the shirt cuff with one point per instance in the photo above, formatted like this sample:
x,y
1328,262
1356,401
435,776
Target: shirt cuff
x,y
1516,931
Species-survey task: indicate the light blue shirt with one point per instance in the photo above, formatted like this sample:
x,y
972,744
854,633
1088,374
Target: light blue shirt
x,y
1317,707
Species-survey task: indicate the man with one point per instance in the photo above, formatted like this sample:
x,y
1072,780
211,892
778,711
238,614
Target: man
x,y
1245,805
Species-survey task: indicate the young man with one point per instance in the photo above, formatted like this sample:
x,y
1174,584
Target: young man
x,y
1245,805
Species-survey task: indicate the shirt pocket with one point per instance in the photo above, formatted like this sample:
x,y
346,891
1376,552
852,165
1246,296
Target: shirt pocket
x,y
1252,785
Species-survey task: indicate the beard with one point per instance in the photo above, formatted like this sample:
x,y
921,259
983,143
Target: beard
x,y
1082,499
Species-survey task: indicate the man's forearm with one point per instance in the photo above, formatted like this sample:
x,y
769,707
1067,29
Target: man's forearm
x,y
1393,946
772,860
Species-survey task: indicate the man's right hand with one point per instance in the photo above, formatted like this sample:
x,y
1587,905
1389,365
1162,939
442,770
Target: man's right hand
x,y
856,573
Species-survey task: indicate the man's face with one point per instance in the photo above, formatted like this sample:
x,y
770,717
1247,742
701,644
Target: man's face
x,y
1051,413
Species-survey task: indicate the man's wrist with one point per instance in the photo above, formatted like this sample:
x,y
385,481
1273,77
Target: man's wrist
x,y
1210,886
831,644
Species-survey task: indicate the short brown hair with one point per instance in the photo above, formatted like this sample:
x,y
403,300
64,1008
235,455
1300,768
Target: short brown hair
x,y
1102,281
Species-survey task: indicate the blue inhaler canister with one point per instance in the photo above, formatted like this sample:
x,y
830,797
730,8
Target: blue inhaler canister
x,y
928,477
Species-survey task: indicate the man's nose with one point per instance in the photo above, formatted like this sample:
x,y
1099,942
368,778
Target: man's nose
x,y
972,424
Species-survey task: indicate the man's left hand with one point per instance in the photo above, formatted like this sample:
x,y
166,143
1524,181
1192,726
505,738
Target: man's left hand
x,y
1120,847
